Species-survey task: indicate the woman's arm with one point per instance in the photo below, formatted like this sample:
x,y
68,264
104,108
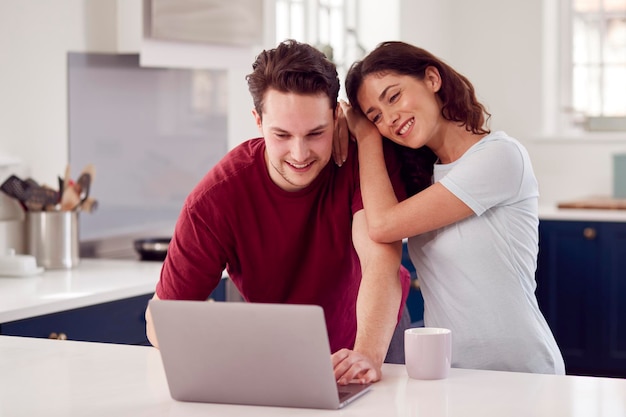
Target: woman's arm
x,y
389,220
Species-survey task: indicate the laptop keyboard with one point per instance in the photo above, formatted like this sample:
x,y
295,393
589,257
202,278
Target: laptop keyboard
x,y
343,394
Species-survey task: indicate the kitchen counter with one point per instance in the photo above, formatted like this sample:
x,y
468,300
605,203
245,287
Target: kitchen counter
x,y
93,281
604,215
66,378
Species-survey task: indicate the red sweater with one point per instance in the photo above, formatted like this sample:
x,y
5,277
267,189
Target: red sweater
x,y
277,246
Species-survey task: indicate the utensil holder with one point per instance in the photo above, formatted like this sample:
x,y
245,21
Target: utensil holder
x,y
52,238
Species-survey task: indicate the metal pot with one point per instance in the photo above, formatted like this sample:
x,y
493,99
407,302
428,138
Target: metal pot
x,y
152,249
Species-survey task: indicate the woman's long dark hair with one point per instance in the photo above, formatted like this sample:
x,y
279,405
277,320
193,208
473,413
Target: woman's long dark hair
x,y
417,167
457,95
459,103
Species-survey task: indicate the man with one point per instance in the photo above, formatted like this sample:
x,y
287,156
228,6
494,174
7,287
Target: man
x,y
287,224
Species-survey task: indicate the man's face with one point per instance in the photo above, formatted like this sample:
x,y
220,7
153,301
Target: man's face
x,y
298,132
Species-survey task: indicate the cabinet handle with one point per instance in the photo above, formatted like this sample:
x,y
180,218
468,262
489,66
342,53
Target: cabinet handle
x,y
590,233
57,336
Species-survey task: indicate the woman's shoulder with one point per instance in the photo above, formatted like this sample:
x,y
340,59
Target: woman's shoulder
x,y
500,137
500,142
497,154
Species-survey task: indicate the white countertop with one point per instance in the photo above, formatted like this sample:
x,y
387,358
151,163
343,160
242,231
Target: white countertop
x,y
93,281
555,213
66,378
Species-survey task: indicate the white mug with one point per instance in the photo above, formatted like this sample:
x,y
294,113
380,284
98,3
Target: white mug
x,y
428,352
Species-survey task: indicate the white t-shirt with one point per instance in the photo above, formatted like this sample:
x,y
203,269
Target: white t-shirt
x,y
478,275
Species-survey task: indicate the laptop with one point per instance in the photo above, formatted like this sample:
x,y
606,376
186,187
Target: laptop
x,y
248,353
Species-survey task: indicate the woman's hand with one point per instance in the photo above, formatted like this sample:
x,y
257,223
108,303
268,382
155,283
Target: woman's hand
x,y
360,128
349,124
341,136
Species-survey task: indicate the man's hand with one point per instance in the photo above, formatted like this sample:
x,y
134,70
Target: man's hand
x,y
341,137
354,367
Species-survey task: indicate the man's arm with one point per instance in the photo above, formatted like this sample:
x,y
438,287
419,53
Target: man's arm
x,y
378,304
150,327
189,274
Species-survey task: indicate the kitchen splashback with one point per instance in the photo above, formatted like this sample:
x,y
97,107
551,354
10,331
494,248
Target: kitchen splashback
x,y
151,134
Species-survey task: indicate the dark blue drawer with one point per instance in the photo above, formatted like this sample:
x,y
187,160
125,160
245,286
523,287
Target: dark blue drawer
x,y
120,321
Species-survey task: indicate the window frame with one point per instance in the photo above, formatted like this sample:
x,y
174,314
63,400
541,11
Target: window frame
x,y
319,27
569,121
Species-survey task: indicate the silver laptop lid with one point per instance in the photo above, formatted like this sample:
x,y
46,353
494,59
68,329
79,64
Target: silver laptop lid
x,y
246,353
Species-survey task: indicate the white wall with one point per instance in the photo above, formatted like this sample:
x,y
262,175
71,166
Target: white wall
x,y
499,45
35,36
428,24
370,13
34,39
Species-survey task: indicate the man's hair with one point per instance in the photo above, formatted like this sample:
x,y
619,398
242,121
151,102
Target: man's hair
x,y
459,102
293,67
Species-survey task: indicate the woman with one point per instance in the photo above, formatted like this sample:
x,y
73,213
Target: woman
x,y
473,233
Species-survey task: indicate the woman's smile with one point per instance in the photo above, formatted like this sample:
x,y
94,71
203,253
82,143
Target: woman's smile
x,y
406,127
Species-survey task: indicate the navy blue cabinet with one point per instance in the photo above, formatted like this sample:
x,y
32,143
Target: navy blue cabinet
x,y
581,289
414,302
121,321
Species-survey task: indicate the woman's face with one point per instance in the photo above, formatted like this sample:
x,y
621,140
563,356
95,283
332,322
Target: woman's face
x,y
403,108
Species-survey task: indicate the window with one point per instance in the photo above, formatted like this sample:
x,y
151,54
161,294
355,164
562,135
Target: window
x,y
595,62
329,25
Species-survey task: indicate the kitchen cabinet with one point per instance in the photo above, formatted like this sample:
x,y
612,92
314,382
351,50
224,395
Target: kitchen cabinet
x,y
202,34
120,321
581,289
225,22
414,302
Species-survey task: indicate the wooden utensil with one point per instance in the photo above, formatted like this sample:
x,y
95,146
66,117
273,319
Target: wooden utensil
x,y
67,177
89,205
70,199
